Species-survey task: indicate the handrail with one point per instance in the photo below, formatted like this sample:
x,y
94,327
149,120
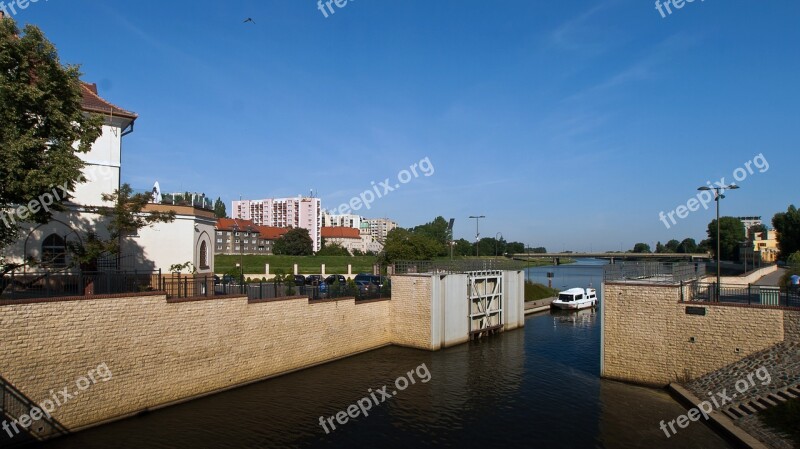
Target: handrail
x,y
14,404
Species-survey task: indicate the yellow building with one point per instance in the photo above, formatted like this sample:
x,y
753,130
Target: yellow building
x,y
763,247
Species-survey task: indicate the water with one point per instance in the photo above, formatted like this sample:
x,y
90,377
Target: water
x,y
534,387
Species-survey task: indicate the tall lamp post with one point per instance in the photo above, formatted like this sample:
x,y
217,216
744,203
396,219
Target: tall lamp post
x,y
717,197
477,233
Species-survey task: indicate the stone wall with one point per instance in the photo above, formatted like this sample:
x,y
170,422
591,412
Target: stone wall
x,y
791,325
649,338
411,311
159,351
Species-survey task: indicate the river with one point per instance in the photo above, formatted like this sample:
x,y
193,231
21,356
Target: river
x,y
534,387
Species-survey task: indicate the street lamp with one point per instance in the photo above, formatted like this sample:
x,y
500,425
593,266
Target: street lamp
x,y
496,241
717,197
477,232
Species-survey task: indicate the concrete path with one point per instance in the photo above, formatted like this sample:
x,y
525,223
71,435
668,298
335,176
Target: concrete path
x,y
538,306
773,279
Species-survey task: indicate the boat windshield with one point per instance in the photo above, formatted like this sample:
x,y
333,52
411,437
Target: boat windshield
x,y
566,298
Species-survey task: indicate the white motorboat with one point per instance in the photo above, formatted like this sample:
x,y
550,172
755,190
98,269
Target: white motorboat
x,y
576,299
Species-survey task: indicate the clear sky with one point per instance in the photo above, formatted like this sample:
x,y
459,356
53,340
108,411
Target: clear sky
x,y
568,124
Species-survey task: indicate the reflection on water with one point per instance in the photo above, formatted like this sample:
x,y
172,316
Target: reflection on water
x,y
533,387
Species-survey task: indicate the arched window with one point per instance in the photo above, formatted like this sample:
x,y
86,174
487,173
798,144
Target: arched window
x,y
54,251
203,255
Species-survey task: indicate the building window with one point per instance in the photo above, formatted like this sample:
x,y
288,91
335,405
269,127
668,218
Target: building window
x,y
219,240
219,232
203,255
54,251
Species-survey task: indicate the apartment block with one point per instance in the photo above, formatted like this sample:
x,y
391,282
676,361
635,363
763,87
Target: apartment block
x,y
299,212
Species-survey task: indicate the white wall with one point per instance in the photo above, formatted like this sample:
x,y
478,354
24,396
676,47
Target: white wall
x,y
167,244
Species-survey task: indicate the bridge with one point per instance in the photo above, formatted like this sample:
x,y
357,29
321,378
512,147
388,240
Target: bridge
x,y
556,257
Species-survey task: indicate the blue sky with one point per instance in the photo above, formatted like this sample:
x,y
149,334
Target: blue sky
x,y
568,124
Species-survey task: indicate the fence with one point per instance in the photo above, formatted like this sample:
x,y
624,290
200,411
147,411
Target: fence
x,y
194,286
14,404
456,266
746,294
35,285
654,272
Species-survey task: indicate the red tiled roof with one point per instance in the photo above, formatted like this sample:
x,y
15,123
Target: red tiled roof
x,y
92,102
228,224
340,233
270,233
265,232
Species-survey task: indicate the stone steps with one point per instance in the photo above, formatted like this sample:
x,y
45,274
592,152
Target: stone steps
x,y
761,403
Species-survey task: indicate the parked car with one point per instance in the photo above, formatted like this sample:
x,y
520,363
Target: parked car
x,y
225,280
299,280
313,279
365,281
332,279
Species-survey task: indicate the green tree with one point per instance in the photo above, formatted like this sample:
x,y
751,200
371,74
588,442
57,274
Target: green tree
x,y
124,218
732,234
640,248
332,249
672,246
41,120
462,247
660,248
219,209
788,226
687,246
402,244
296,242
435,231
515,248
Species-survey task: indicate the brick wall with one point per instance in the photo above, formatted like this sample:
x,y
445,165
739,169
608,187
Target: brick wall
x,y
647,334
159,351
411,311
791,325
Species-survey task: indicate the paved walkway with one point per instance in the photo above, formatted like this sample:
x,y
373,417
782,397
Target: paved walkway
x,y
773,279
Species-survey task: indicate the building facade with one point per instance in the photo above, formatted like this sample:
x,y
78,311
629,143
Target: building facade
x,y
379,228
351,239
300,212
341,221
234,236
763,248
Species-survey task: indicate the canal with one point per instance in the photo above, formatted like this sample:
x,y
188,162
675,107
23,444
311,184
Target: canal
x,y
534,387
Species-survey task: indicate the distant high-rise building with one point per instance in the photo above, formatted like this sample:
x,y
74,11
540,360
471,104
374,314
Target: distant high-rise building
x,y
341,221
300,212
379,228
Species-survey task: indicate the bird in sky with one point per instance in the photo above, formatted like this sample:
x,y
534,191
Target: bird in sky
x,y
249,19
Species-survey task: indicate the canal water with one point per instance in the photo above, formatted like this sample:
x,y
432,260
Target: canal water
x,y
533,387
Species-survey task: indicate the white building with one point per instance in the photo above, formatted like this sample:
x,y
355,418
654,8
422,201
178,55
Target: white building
x,y
300,212
155,247
351,239
379,228
341,221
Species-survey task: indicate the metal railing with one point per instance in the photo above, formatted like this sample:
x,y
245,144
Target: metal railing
x,y
36,285
196,286
455,266
13,404
654,272
745,294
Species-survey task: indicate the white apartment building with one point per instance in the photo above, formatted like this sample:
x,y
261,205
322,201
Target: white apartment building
x,y
341,221
379,227
300,212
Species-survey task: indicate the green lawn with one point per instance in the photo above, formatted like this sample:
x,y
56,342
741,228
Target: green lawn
x,y
534,291
306,264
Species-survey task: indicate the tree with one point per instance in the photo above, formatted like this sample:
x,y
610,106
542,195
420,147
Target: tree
x,y
332,249
124,218
41,119
687,246
704,246
463,248
672,246
731,235
640,248
659,248
402,244
219,209
788,226
437,232
296,242
515,248
757,229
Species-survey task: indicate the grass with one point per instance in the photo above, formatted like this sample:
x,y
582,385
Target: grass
x,y
534,291
306,264
784,418
312,264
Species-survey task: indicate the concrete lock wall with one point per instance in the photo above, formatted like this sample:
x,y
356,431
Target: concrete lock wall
x,y
161,351
649,338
